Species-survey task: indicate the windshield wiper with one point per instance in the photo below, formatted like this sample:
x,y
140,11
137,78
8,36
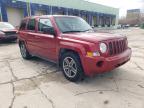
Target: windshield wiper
x,y
78,31
87,30
71,31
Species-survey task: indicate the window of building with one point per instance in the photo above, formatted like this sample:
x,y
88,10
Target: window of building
x,y
45,22
31,24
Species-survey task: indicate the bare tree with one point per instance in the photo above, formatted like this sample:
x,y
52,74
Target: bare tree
x,y
134,20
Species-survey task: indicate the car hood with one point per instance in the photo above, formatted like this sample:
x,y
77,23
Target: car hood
x,y
92,37
8,30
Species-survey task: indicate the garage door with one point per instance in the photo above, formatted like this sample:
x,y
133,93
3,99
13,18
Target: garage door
x,y
59,13
84,17
15,15
94,21
40,12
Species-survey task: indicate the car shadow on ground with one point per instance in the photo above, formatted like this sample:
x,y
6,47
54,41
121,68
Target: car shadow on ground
x,y
49,72
5,43
56,72
115,80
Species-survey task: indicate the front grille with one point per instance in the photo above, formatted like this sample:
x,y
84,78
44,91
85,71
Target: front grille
x,y
10,33
117,47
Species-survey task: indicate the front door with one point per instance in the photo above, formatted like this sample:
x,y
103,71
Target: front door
x,y
46,42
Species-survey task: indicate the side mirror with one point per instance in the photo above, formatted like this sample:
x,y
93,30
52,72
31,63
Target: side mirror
x,y
92,27
49,30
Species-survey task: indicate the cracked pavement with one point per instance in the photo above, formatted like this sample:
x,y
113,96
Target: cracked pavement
x,y
37,83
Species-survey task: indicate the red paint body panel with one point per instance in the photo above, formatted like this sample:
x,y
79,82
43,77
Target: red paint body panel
x,y
49,46
109,63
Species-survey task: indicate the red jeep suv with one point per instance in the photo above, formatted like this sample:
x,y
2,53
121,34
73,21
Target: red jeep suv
x,y
72,43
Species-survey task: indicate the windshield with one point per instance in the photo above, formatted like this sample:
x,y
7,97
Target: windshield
x,y
5,25
72,24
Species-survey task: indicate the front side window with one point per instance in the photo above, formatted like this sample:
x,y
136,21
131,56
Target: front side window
x,y
44,23
31,24
72,24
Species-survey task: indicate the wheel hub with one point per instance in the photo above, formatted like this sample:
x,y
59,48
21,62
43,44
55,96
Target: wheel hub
x,y
69,67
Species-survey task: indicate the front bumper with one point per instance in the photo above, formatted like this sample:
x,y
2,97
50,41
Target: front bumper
x,y
100,64
8,38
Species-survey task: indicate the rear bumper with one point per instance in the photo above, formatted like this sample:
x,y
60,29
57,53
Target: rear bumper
x,y
100,64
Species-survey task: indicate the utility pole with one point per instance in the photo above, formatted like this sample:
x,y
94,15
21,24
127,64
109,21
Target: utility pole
x,y
28,7
0,14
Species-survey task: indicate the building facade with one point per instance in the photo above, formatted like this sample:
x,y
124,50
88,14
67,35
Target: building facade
x,y
96,15
133,13
135,17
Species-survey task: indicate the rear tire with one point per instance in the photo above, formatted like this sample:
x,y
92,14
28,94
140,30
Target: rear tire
x,y
71,67
24,52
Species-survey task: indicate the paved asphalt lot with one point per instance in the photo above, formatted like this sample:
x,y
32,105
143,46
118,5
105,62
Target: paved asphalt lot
x,y
39,84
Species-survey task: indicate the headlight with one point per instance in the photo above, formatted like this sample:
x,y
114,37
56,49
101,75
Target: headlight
x,y
2,34
103,47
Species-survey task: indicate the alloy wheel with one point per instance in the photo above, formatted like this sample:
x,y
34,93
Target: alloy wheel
x,y
69,67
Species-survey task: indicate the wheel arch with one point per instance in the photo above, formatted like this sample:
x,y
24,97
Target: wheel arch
x,y
72,47
65,50
20,41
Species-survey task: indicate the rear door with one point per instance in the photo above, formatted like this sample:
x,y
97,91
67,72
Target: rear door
x,y
31,38
22,33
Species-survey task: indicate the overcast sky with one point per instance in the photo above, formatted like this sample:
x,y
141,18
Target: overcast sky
x,y
123,5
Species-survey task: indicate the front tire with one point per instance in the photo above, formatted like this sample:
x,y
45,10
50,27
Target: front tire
x,y
71,67
24,52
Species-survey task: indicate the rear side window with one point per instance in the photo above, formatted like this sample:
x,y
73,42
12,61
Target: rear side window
x,y
31,24
23,25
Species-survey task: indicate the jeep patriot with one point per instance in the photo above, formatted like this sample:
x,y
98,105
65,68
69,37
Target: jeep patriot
x,y
70,42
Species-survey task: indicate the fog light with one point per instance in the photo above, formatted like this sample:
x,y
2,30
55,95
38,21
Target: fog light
x,y
96,54
93,54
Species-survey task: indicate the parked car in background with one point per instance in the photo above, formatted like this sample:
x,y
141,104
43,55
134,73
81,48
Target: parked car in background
x,y
136,25
7,32
119,26
125,26
72,43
